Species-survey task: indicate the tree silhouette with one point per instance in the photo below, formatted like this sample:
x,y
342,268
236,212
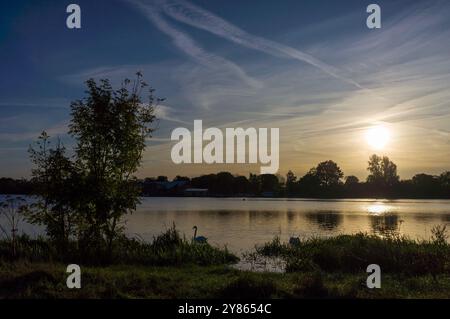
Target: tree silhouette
x,y
351,180
290,182
110,127
223,183
269,183
54,174
383,172
444,180
255,184
328,173
96,188
241,185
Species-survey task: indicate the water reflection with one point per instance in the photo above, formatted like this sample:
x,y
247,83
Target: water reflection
x,y
388,224
291,216
263,214
242,224
223,213
325,220
378,208
424,217
383,220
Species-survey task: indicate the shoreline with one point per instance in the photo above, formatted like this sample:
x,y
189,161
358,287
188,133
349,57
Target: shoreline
x,y
317,268
300,199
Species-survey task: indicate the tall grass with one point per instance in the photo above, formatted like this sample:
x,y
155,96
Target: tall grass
x,y
39,249
353,253
168,248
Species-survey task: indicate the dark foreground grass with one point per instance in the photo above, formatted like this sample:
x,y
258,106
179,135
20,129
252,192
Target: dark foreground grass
x,y
173,267
48,280
353,253
166,249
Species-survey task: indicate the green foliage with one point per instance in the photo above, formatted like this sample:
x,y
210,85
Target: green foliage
x,y
249,286
168,248
439,235
48,280
319,268
352,254
54,175
86,197
11,211
110,127
312,286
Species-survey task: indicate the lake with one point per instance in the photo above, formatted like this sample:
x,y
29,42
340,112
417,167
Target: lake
x,y
241,223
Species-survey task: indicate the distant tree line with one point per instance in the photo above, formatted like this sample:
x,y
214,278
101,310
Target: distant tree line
x,y
15,186
326,180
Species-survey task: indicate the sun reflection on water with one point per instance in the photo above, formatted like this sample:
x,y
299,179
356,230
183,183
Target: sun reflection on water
x,y
378,208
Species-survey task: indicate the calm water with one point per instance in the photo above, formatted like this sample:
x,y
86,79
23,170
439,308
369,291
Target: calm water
x,y
240,224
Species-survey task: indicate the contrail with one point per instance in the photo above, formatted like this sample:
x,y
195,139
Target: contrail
x,y
187,45
195,16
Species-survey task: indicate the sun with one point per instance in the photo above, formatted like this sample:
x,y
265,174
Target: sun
x,y
377,137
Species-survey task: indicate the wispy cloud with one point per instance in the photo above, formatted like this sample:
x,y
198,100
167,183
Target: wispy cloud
x,y
195,16
221,76
167,113
189,46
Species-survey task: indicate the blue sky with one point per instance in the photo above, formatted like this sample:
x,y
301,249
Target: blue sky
x,y
311,68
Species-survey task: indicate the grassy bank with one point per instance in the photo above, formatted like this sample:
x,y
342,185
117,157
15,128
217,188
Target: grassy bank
x,y
173,267
398,255
167,249
47,280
